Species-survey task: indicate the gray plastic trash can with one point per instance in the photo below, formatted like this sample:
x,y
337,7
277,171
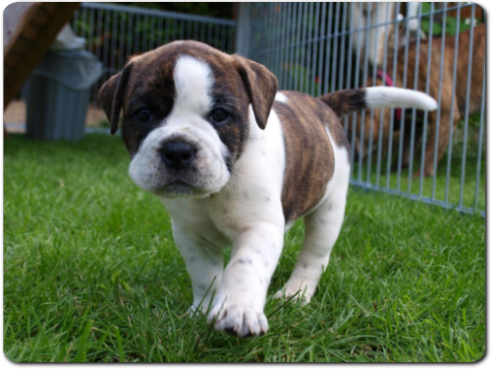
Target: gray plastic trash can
x,y
59,94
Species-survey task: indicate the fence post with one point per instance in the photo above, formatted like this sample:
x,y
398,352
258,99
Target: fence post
x,y
243,30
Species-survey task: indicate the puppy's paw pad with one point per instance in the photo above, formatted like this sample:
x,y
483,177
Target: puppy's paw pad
x,y
241,321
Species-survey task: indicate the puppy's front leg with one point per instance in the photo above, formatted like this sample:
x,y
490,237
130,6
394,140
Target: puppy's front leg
x,y
239,303
204,265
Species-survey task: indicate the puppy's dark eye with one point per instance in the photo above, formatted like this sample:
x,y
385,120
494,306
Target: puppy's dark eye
x,y
219,115
143,115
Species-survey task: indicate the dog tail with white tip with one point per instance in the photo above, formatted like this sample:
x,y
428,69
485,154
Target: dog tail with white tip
x,y
349,101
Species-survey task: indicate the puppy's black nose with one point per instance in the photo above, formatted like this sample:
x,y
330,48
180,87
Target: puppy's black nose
x,y
177,154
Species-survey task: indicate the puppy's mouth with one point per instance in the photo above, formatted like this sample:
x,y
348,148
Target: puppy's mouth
x,y
178,187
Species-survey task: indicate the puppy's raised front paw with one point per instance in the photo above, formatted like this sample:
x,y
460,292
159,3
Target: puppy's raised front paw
x,y
241,321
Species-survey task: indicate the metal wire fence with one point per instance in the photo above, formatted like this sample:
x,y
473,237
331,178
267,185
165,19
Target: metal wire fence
x,y
114,33
438,48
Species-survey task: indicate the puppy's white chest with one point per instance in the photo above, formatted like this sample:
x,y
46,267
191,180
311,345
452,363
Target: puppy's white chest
x,y
194,217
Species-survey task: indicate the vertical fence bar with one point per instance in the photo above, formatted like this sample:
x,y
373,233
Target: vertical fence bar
x,y
99,43
174,27
91,22
271,47
308,47
98,49
466,113
129,44
113,43
105,50
282,39
161,34
203,32
227,36
315,77
349,64
440,74
356,84
394,81
182,28
122,41
312,46
348,83
335,47
297,48
366,31
74,22
400,158
196,26
258,42
453,99
136,46
223,37
143,34
326,81
373,80
210,34
255,32
266,35
321,49
303,48
425,119
269,50
382,111
285,34
293,47
256,36
188,30
90,41
279,39
286,40
413,120
217,36
165,27
152,43
342,47
480,134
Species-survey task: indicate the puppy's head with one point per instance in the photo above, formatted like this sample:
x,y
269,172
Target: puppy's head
x,y
186,115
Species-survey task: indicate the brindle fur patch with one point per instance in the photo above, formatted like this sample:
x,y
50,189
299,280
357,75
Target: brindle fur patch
x,y
309,158
345,101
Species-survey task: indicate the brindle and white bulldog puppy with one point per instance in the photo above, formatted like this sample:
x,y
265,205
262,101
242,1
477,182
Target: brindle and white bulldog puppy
x,y
236,163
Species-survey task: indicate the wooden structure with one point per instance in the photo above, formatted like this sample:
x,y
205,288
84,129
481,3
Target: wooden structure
x,y
39,24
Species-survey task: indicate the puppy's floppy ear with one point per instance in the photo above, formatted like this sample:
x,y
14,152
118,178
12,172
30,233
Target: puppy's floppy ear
x,y
261,86
111,96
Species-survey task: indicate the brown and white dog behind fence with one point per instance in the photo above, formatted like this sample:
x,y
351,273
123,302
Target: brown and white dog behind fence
x,y
448,87
236,163
376,41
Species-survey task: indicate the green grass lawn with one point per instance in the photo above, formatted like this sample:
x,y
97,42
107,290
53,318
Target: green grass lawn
x,y
91,273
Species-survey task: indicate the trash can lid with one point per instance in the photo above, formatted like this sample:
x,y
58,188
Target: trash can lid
x,y
76,69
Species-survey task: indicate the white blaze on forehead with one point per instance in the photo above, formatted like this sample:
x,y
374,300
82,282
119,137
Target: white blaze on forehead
x,y
193,80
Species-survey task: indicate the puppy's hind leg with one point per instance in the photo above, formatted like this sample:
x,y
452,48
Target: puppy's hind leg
x,y
322,227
